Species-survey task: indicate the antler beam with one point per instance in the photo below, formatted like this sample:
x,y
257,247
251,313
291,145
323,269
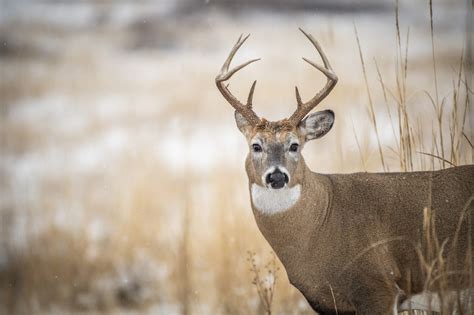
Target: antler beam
x,y
304,108
225,74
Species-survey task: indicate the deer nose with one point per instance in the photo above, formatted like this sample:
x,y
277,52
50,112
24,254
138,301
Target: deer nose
x,y
277,179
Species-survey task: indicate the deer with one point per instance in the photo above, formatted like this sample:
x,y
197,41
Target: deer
x,y
348,242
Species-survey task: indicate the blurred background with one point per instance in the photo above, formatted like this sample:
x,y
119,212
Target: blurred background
x,y
122,182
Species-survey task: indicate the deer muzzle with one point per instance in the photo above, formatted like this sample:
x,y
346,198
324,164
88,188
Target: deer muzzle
x,y
277,179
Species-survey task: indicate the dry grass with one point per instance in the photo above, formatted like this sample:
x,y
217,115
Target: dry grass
x,y
121,172
266,283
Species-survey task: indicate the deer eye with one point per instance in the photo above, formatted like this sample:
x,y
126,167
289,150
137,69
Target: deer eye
x,y
256,147
294,147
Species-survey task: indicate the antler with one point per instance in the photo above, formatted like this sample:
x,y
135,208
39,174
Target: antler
x,y
304,108
225,74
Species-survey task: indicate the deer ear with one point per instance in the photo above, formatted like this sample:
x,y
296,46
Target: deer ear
x,y
244,126
317,124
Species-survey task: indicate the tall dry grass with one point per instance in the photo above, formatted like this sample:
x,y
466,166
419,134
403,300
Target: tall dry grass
x,y
450,146
447,143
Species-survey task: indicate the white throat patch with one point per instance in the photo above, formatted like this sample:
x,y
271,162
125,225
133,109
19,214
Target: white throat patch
x,y
270,201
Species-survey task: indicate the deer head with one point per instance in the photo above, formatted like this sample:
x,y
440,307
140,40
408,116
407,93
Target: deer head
x,y
275,160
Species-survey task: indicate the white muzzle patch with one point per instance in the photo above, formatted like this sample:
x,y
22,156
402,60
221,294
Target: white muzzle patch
x,y
270,201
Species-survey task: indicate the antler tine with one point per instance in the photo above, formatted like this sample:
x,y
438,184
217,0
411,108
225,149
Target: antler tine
x,y
225,74
299,102
318,47
240,42
304,108
250,97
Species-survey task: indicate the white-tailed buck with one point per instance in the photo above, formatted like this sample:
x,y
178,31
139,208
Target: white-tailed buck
x,y
351,243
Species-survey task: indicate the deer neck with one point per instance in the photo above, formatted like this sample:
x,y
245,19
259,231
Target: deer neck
x,y
289,228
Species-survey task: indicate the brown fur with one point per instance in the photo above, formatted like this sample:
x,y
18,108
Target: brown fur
x,y
324,241
272,127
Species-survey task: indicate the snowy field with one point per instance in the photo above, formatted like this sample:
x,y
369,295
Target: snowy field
x,y
121,169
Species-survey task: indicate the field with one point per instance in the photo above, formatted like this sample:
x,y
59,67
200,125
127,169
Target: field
x,y
122,182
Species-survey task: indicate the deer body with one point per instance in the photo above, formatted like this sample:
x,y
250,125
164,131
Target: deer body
x,y
319,240
349,242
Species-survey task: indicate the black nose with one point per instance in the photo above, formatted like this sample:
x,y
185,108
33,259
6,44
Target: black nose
x,y
277,179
